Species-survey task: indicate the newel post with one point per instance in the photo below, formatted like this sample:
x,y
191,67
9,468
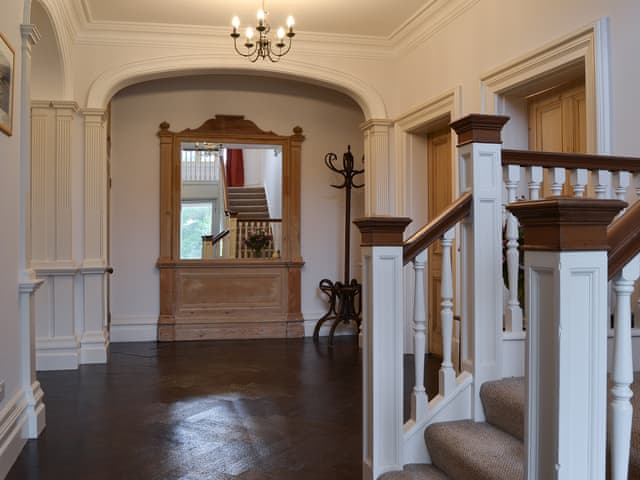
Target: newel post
x,y
480,167
382,295
565,242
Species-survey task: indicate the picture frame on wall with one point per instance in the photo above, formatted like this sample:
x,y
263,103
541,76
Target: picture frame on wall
x,y
7,79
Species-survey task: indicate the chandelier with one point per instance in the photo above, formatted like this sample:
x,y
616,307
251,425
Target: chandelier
x,y
263,47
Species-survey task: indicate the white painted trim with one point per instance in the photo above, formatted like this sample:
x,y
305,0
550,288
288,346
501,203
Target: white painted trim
x,y
116,78
133,328
426,22
589,44
341,330
57,353
447,103
13,431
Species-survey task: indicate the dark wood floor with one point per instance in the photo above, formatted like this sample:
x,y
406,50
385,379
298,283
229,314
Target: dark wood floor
x,y
268,409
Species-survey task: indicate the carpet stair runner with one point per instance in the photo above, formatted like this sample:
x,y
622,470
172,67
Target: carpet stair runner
x,y
248,202
494,450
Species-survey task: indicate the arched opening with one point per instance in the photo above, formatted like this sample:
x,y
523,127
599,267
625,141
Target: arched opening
x,y
330,122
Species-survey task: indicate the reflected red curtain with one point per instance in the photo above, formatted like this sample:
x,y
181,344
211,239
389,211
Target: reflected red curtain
x,y
235,168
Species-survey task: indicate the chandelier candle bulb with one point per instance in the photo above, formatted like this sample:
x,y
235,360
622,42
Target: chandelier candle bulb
x,y
265,45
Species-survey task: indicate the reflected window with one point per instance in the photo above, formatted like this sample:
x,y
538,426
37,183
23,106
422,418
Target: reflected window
x,y
195,221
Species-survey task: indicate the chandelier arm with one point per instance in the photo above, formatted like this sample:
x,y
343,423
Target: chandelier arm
x,y
246,55
283,53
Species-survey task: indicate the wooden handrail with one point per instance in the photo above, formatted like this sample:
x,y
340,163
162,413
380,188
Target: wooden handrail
x,y
223,182
437,227
623,237
528,158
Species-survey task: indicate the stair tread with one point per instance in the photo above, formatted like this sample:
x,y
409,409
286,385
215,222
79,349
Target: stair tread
x,y
415,472
475,451
503,402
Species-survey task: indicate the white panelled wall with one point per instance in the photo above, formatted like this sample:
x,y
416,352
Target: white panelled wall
x,y
68,235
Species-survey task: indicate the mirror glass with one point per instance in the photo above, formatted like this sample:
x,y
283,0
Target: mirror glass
x,y
230,200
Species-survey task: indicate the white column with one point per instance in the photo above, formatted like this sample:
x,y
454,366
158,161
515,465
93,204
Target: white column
x,y
94,343
620,409
27,281
378,182
382,353
479,153
57,346
447,375
566,280
419,396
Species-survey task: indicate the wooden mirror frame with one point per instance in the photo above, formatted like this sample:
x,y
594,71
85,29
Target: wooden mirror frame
x,y
191,306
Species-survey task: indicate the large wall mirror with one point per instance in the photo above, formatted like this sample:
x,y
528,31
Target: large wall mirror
x,y
230,231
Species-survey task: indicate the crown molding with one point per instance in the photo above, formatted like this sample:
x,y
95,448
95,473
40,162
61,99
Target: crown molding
x,y
426,22
84,29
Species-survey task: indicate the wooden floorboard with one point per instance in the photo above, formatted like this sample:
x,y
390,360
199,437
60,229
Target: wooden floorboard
x,y
262,409
256,409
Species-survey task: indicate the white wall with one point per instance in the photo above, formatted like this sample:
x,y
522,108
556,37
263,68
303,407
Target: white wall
x,y
10,341
46,76
494,32
273,182
330,122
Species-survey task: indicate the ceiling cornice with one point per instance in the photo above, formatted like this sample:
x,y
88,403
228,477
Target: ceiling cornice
x,y
427,21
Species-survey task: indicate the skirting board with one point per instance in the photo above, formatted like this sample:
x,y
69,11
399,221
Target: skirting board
x,y
13,431
310,325
57,353
134,328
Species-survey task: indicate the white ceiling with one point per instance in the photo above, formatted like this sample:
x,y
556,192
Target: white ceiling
x,y
360,17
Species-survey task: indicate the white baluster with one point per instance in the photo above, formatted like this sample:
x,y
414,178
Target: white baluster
x,y
513,317
419,398
602,183
558,177
620,408
636,179
447,373
534,175
579,180
511,181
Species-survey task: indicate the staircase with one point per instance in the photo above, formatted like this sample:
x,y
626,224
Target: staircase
x,y
248,202
492,450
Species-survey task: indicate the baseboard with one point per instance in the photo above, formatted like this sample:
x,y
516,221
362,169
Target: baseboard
x,y
57,353
133,328
310,324
94,348
13,431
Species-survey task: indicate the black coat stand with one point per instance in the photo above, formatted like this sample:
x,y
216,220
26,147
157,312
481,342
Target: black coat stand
x,y
345,299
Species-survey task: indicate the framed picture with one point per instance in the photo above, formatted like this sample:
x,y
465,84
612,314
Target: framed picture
x,y
7,66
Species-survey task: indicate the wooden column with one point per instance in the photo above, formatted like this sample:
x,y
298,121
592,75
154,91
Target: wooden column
x,y
565,240
479,154
382,320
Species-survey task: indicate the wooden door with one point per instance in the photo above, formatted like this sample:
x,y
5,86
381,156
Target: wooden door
x,y
557,123
439,197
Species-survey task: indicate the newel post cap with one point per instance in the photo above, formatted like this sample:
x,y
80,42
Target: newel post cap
x,y
479,128
566,223
382,231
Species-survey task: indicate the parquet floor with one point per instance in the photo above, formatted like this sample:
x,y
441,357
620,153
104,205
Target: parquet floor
x,y
222,410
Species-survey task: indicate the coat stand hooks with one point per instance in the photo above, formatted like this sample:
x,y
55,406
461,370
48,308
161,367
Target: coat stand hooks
x,y
345,299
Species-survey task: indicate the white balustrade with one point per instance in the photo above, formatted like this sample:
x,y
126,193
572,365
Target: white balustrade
x,y
620,409
535,176
601,183
513,317
419,397
447,378
558,178
579,180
